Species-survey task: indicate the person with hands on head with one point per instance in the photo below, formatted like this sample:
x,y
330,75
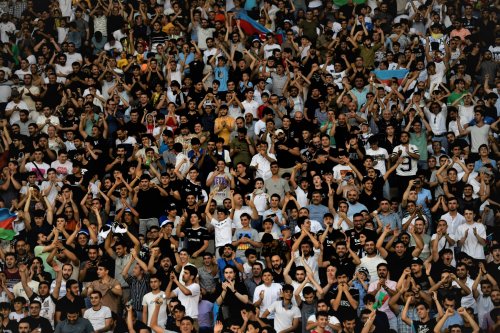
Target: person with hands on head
x,y
118,252
483,294
137,281
424,322
446,288
401,257
474,327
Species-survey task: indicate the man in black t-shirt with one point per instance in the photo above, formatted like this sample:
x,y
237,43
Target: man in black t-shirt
x,y
402,256
70,301
196,236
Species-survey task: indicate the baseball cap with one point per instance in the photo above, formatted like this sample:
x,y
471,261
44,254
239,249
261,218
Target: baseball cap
x,y
417,261
171,206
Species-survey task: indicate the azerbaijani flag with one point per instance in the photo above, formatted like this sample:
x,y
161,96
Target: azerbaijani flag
x,y
252,27
381,298
385,76
7,232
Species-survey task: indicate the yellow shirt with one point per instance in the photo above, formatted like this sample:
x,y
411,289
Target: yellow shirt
x,y
226,130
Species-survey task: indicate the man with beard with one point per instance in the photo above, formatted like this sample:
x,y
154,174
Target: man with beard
x,y
72,301
349,324
401,257
407,170
88,269
491,318
343,258
355,233
255,279
277,269
63,69
287,152
466,301
74,323
382,288
228,258
371,260
354,205
483,295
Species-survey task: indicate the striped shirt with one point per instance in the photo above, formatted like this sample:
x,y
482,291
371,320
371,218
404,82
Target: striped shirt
x,y
138,288
412,314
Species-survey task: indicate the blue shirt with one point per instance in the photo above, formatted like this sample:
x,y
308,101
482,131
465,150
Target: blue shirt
x,y
360,96
221,74
316,212
222,263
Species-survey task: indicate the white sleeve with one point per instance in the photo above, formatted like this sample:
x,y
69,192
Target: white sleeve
x,y
256,295
195,289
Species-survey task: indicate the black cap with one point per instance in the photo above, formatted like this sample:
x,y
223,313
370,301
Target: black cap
x,y
417,260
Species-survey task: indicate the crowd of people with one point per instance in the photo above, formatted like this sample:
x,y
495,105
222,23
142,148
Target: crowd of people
x,y
269,166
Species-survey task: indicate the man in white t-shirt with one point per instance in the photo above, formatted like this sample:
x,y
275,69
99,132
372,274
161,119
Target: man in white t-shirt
x,y
62,165
286,315
333,322
99,315
250,104
223,225
471,236
189,293
341,169
14,106
148,303
266,293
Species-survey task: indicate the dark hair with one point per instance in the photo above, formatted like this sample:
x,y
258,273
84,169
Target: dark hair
x,y
70,283
193,271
